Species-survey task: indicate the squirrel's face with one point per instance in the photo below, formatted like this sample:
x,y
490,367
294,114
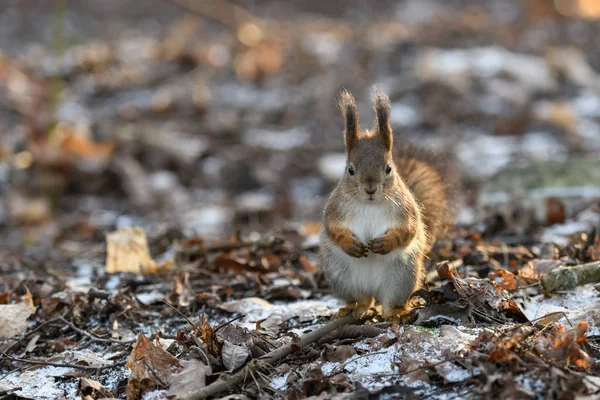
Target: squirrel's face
x,y
370,169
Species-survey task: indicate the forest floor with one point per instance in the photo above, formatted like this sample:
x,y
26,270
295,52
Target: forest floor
x,y
162,177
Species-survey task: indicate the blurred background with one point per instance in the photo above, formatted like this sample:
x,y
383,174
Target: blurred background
x,y
207,117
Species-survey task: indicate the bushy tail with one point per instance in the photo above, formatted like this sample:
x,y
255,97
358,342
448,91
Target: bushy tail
x,y
432,182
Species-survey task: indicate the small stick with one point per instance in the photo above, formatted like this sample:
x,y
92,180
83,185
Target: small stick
x,y
227,382
93,336
180,313
229,322
74,366
568,278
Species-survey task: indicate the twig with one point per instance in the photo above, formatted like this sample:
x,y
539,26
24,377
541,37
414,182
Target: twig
x,y
180,313
53,364
227,382
153,371
229,322
568,278
93,336
225,12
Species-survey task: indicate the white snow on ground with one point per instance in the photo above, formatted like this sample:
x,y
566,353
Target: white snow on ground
x,y
153,296
37,384
256,309
41,384
377,368
580,304
279,382
155,395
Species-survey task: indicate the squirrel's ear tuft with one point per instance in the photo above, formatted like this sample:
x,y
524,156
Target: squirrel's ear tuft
x,y
382,114
350,112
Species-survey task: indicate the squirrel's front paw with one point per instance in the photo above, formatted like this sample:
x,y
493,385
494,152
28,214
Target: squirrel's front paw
x,y
356,248
382,245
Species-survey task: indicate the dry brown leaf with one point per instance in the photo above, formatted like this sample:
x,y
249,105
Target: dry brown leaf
x,y
74,141
352,332
308,266
90,359
310,228
209,337
338,353
28,210
150,366
13,317
91,389
191,379
127,251
444,270
234,356
224,261
566,348
503,280
502,355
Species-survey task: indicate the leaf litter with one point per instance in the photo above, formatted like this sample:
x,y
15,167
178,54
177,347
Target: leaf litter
x,y
146,254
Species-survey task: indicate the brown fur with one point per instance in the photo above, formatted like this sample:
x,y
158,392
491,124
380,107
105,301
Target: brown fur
x,y
348,107
430,178
393,196
420,174
342,237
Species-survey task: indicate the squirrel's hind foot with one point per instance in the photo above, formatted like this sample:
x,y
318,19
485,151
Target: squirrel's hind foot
x,y
362,310
399,315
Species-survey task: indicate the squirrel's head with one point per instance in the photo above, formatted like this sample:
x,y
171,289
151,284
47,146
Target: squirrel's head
x,y
370,170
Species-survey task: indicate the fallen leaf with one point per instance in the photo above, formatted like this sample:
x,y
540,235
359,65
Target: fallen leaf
x,y
32,343
82,146
315,382
503,280
190,379
246,306
271,326
287,293
235,334
444,270
209,336
91,389
89,359
127,251
440,314
13,317
150,366
310,228
306,264
451,372
28,210
338,353
535,269
502,355
411,370
566,348
352,332
234,356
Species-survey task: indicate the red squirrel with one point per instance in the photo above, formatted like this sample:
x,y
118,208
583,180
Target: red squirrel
x,y
379,222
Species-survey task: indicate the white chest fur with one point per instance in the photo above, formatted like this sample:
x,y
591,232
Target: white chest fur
x,y
368,275
368,221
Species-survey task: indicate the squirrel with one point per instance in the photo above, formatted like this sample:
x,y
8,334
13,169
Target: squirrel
x,y
378,225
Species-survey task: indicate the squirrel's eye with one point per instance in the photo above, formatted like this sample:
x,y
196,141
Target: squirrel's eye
x,y
388,169
351,170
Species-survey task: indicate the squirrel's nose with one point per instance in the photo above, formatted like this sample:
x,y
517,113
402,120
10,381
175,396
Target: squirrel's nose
x,y
371,188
